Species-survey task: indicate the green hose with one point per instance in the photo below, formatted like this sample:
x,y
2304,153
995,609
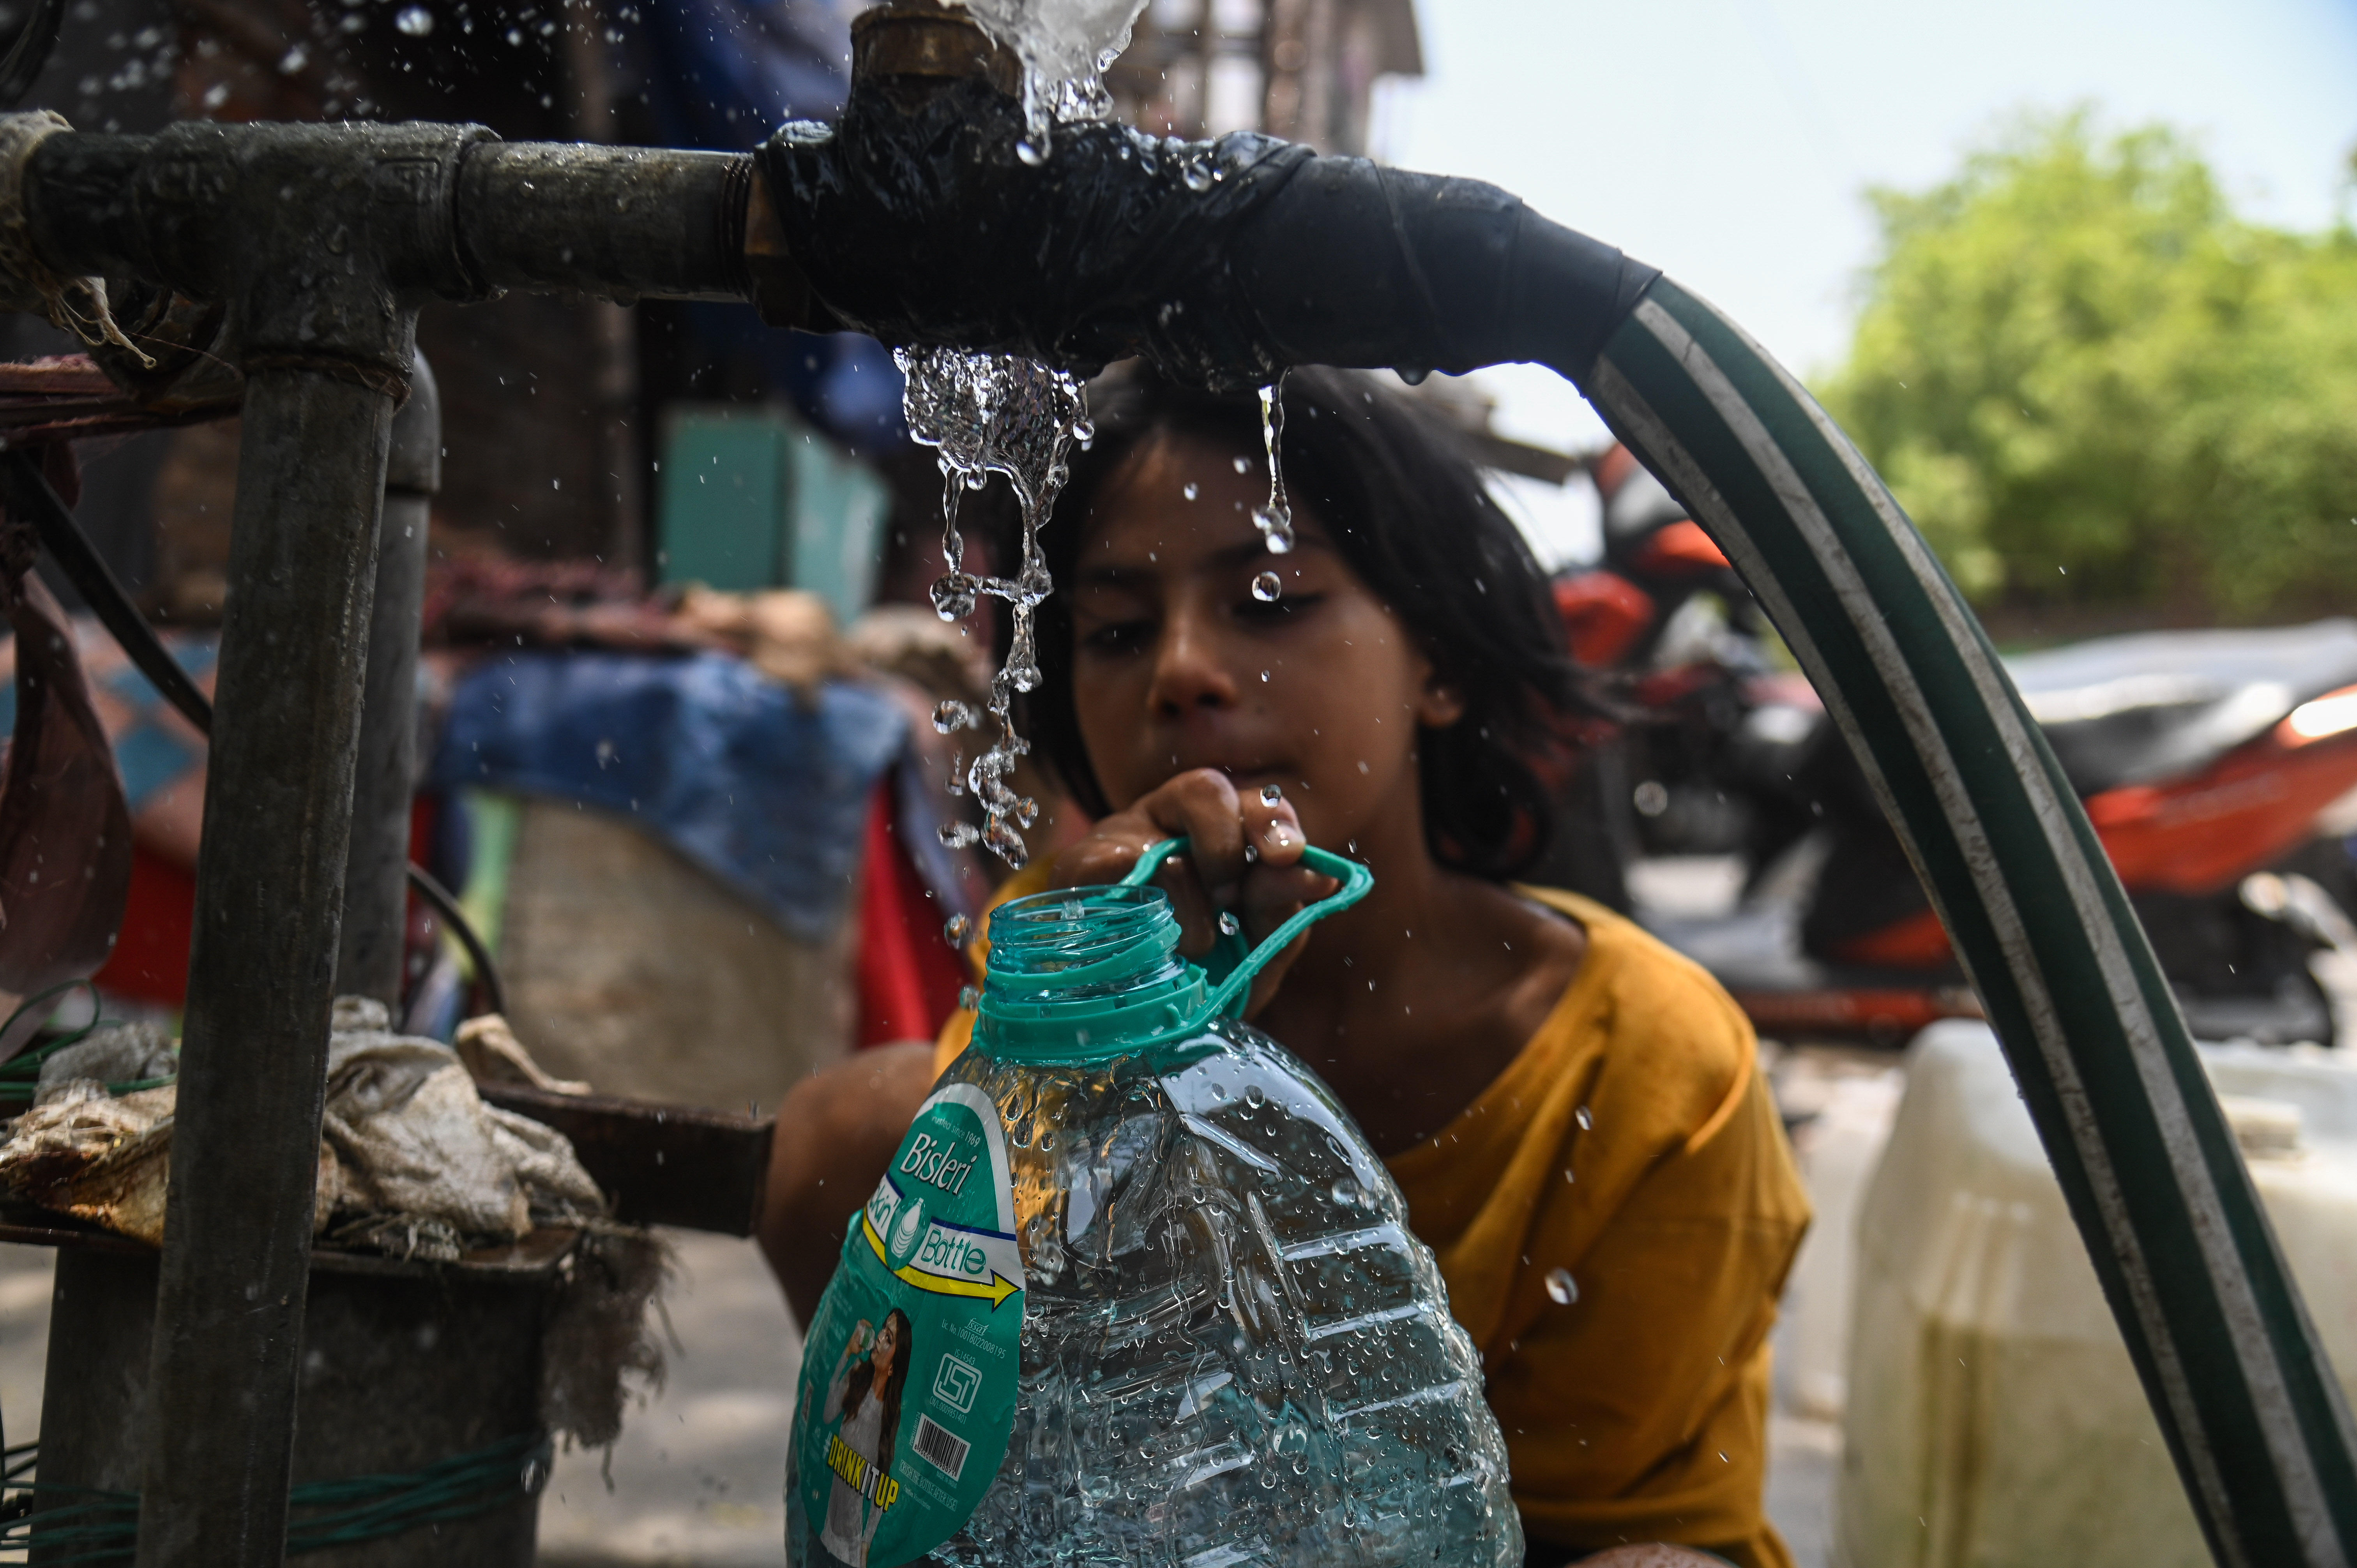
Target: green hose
x,y
2242,1387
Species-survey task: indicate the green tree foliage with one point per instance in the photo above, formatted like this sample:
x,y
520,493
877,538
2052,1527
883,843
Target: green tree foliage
x,y
2091,384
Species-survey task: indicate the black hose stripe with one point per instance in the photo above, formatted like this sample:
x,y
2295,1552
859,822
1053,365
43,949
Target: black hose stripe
x,y
2230,1304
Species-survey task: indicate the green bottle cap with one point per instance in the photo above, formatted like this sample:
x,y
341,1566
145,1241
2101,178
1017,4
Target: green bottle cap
x,y
1084,974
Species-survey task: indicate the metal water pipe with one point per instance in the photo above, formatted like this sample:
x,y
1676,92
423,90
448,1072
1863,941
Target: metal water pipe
x,y
375,926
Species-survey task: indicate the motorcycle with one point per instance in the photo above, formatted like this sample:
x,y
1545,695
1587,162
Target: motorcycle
x,y
2218,768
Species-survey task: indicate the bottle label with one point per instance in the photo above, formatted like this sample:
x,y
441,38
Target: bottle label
x,y
909,1370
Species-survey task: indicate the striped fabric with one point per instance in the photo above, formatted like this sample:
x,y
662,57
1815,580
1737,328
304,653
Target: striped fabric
x,y
2254,1417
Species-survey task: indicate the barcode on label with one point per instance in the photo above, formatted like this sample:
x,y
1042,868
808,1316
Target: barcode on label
x,y
945,1451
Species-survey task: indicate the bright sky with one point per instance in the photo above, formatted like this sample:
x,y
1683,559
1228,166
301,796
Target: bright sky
x,y
1727,141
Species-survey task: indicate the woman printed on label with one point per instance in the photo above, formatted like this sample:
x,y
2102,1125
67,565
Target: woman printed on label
x,y
1575,1113
865,1395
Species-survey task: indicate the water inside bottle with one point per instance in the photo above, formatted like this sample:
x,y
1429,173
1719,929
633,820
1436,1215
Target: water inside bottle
x,y
1233,1350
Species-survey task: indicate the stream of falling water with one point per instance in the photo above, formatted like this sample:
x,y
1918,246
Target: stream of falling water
x,y
986,413
1066,46
1274,520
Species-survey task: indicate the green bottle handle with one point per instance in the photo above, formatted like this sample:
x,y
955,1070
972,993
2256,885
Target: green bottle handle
x,y
1227,999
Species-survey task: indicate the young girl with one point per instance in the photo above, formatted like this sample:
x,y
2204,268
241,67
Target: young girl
x,y
1573,1113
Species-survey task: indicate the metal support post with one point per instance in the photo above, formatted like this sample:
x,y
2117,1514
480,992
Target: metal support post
x,y
270,894
376,880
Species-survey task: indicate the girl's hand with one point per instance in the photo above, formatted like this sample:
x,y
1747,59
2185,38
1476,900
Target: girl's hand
x,y
1262,889
862,1335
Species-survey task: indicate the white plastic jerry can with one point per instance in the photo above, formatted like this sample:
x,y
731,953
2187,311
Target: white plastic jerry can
x,y
1994,1418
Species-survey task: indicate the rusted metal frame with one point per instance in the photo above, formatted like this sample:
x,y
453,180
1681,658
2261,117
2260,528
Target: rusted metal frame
x,y
660,1164
325,240
372,942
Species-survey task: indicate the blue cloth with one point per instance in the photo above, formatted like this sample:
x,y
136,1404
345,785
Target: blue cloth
x,y
149,754
720,762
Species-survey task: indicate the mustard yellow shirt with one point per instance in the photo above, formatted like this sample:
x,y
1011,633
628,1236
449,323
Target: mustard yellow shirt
x,y
1633,1146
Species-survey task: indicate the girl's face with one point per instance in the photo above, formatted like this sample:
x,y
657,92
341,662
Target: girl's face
x,y
1178,664
888,1349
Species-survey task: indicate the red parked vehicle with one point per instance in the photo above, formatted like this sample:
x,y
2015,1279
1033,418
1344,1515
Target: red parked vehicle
x,y
2218,766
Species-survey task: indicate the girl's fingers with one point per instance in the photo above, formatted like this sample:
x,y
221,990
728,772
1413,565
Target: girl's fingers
x,y
1271,829
1244,855
1273,894
1203,805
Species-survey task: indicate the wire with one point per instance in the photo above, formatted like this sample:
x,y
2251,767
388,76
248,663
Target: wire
x,y
90,1524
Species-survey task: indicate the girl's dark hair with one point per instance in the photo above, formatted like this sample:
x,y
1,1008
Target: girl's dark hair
x,y
1407,511
862,1383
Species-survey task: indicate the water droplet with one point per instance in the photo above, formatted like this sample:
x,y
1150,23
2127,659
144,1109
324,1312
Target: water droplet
x,y
1197,176
294,60
953,596
1270,794
1346,1192
415,20
1263,677
1568,1179
1191,490
1229,924
1585,1120
958,836
1274,518
1048,1145
1255,1096
1032,156
968,998
1243,465
956,929
1561,1288
1412,377
1267,588
950,715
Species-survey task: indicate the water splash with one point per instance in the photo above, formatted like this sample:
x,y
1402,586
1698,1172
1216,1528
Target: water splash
x,y
1274,517
1066,47
986,413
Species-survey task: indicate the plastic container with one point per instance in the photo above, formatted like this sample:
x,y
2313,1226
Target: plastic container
x,y
1231,1349
1994,1418
1852,1105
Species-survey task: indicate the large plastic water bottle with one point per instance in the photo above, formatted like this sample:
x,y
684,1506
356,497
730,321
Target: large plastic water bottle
x,y
1190,1329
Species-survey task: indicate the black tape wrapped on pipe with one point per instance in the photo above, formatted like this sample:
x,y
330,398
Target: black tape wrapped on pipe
x,y
1225,262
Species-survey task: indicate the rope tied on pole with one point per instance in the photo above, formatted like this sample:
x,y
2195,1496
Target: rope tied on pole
x,y
90,319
